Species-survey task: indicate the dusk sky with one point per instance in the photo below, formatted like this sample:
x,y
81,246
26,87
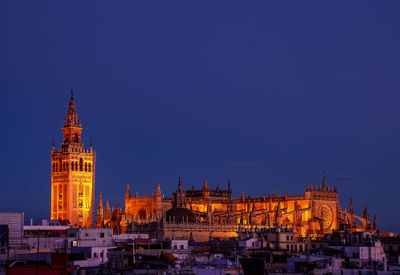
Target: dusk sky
x,y
268,94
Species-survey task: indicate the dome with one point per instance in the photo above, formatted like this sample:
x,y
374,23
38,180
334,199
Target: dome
x,y
180,215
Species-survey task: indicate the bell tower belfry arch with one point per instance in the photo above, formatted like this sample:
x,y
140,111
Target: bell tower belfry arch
x,y
73,174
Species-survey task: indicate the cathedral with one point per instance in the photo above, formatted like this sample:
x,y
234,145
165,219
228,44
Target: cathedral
x,y
204,213
193,213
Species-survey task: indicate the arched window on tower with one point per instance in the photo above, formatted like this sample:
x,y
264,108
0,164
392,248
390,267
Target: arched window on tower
x,y
76,138
60,166
72,166
85,166
81,164
54,167
90,167
66,166
76,166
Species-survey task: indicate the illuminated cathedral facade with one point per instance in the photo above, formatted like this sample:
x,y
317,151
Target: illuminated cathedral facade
x,y
73,175
204,213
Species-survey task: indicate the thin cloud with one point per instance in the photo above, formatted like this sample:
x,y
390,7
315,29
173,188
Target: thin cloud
x,y
246,165
344,177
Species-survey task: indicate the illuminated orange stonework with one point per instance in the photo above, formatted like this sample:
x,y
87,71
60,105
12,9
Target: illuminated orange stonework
x,y
213,212
72,175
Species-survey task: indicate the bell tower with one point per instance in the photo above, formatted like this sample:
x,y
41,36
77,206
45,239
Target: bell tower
x,y
73,174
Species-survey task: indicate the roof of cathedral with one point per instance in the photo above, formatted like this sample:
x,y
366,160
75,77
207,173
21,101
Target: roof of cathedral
x,y
180,215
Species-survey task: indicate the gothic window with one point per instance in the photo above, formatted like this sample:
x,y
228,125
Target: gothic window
x,y
90,167
60,166
81,164
66,166
56,166
85,166
52,167
76,138
76,166
72,166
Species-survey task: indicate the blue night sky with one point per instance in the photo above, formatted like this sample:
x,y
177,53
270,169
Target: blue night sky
x,y
268,94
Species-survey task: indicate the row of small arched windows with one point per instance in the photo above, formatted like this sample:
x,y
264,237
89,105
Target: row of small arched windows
x,y
64,166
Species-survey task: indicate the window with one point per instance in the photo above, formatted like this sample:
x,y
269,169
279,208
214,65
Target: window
x,y
175,246
90,167
287,237
101,234
291,238
182,247
72,166
85,166
81,164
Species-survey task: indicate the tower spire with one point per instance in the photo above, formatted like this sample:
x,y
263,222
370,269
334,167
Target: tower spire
x,y
72,115
324,181
100,214
180,185
107,211
158,191
128,193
